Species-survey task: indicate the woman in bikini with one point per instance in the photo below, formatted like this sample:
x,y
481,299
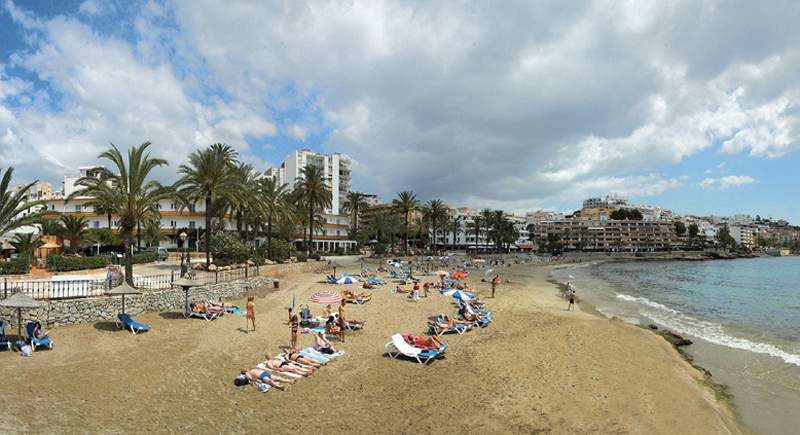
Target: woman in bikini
x,y
250,316
294,325
293,354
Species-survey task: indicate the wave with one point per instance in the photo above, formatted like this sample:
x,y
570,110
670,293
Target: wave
x,y
708,331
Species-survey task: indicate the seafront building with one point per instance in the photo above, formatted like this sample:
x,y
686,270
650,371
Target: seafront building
x,y
605,236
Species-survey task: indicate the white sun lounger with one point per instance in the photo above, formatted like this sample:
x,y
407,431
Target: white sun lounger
x,y
398,346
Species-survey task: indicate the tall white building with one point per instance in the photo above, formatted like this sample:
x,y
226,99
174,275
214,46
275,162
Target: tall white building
x,y
335,169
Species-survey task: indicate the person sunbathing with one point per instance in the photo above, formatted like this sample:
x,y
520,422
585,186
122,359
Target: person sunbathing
x,y
401,290
285,366
331,326
446,322
425,343
322,344
261,375
469,315
368,285
357,296
293,354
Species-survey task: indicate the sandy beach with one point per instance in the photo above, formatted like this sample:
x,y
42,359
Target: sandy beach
x,y
536,369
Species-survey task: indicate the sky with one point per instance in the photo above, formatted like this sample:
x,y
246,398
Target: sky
x,y
687,105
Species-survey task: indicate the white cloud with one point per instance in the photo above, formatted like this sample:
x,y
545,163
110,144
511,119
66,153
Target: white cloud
x,y
90,7
298,132
728,181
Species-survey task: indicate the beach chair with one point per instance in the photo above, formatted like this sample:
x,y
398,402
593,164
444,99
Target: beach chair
x,y
398,346
187,312
4,340
483,319
37,342
331,279
434,329
125,321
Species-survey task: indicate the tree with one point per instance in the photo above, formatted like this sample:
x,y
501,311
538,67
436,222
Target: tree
x,y
680,228
355,203
73,230
152,232
436,212
725,239
25,244
101,195
50,227
102,237
693,231
15,208
475,227
274,205
135,196
405,203
209,176
314,194
626,214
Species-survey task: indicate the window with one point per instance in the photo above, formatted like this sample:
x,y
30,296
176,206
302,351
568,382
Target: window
x,y
172,206
97,224
172,224
191,224
192,208
77,208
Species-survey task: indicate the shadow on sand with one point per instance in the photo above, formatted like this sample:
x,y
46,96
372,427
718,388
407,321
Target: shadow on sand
x,y
106,326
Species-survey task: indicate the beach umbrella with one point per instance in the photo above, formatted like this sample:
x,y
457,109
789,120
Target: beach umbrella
x,y
458,275
347,280
459,294
123,289
325,298
20,301
186,284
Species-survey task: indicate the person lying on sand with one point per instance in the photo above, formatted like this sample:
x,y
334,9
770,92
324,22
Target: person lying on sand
x,y
368,286
261,375
401,290
285,366
293,354
426,343
350,295
323,345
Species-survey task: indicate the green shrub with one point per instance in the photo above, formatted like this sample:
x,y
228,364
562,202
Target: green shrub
x,y
280,249
227,247
144,257
61,263
15,266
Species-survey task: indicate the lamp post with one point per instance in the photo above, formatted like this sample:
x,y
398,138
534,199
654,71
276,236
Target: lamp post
x,y
184,254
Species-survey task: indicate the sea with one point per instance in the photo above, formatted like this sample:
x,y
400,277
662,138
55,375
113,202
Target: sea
x,y
743,316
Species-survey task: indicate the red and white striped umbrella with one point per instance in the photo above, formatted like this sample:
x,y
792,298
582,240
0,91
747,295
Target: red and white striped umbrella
x,y
325,297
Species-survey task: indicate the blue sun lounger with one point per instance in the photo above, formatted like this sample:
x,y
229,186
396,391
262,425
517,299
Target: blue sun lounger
x,y
37,342
127,322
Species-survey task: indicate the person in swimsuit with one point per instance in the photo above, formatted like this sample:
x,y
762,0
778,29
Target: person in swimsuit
x,y
260,375
323,345
427,343
250,316
342,320
571,301
293,354
495,281
285,366
294,325
327,311
448,322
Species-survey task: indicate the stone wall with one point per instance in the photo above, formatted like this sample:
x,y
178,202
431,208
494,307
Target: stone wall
x,y
68,311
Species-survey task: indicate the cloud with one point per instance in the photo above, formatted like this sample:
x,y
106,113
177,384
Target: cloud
x,y
90,7
728,181
298,132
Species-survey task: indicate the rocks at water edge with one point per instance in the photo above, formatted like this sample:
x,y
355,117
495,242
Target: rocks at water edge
x,y
674,339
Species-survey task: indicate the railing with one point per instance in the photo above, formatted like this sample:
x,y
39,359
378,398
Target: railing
x,y
81,288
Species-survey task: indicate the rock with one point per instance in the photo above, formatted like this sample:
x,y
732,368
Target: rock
x,y
653,327
269,262
251,263
198,266
675,339
212,267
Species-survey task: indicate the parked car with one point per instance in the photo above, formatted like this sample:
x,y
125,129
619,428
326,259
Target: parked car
x,y
160,253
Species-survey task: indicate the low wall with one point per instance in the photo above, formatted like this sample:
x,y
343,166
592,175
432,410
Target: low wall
x,y
94,309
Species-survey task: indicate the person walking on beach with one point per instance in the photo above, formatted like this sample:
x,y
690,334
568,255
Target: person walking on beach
x,y
294,325
495,281
250,315
342,320
571,300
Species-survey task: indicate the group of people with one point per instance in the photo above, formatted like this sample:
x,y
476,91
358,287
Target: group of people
x,y
569,295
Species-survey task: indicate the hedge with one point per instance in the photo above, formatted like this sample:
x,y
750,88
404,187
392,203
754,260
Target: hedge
x,y
144,257
15,266
61,263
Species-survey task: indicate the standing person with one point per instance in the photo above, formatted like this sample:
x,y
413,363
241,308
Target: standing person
x,y
571,301
294,325
495,281
250,316
342,320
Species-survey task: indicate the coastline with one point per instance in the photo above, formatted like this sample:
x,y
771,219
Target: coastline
x,y
537,368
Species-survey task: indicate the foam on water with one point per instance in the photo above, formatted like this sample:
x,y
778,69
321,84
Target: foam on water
x,y
709,331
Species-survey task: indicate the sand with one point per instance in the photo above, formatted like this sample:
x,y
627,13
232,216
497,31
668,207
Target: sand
x,y
536,369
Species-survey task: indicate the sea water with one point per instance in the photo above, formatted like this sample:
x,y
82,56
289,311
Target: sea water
x,y
743,315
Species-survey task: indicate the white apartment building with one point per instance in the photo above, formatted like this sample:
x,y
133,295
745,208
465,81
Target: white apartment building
x,y
336,169
743,235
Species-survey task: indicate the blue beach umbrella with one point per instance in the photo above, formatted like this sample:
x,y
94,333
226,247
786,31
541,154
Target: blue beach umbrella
x,y
460,294
347,280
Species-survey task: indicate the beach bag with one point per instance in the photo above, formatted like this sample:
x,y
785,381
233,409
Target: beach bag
x,y
26,350
262,387
240,381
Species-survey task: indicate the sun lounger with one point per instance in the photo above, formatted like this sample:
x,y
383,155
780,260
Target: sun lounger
x,y
37,342
398,346
435,329
127,322
331,279
4,340
205,315
484,318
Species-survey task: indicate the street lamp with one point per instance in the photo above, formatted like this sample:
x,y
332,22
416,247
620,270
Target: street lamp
x,y
185,254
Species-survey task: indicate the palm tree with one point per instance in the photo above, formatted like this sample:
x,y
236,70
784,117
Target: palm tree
x,y
26,243
101,195
74,230
274,204
208,177
50,227
15,209
152,231
436,213
355,203
314,194
242,203
475,227
406,202
135,197
486,219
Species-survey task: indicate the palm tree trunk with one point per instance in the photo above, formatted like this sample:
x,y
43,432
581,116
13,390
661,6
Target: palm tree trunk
x,y
109,220
269,236
128,240
208,230
405,233
309,248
